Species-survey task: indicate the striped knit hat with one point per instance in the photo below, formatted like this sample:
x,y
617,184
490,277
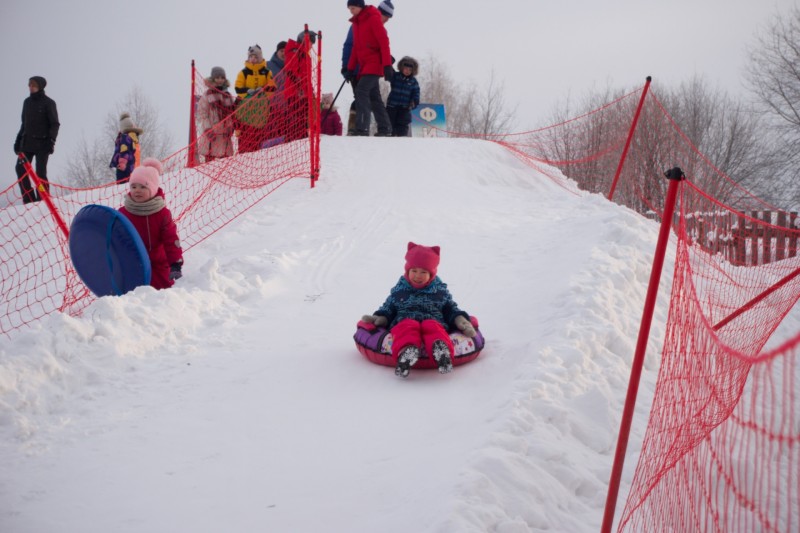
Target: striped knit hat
x,y
386,8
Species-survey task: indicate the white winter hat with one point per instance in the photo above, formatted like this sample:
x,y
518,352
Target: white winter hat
x,y
126,125
256,51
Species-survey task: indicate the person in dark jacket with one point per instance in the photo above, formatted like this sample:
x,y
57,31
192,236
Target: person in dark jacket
x,y
347,49
276,63
419,311
370,59
403,97
37,137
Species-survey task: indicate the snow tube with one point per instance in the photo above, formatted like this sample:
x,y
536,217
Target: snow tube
x,y
107,252
376,345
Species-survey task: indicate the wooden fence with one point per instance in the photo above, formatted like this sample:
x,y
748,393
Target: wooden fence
x,y
748,239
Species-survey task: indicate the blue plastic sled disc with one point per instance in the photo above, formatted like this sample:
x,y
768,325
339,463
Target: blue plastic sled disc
x,y
107,252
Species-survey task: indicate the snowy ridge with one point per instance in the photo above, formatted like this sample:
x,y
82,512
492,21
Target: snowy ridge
x,y
237,400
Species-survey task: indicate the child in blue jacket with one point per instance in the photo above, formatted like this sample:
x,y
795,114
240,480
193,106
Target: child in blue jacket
x,y
404,96
419,311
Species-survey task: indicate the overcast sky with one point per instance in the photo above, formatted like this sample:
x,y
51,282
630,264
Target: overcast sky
x,y
541,51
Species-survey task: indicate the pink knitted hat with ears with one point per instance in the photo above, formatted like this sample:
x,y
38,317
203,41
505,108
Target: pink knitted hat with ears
x,y
148,174
425,257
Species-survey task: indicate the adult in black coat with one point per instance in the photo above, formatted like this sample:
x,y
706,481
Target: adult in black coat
x,y
37,136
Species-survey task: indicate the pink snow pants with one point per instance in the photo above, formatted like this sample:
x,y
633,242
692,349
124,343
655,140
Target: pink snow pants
x,y
412,332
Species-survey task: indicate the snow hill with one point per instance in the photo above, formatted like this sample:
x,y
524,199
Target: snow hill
x,y
238,402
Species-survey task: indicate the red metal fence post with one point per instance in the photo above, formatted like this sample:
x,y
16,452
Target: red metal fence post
x,y
630,138
192,151
318,123
39,185
675,175
306,47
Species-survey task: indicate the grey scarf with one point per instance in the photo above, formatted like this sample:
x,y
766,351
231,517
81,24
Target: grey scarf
x,y
153,205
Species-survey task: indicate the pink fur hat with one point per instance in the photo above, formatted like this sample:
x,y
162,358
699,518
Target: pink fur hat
x,y
425,257
148,174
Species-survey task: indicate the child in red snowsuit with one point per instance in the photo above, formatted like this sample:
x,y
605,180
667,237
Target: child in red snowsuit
x,y
331,121
419,311
145,207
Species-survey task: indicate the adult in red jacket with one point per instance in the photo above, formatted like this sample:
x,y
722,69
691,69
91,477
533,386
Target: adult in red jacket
x,y
293,98
145,207
372,56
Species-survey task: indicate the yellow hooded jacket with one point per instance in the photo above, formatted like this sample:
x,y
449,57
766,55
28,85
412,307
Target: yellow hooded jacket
x,y
253,76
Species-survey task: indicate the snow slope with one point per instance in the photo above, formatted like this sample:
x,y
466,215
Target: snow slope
x,y
238,402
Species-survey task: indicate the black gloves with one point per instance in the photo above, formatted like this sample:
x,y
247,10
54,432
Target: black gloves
x,y
16,148
175,271
349,75
388,73
17,143
52,145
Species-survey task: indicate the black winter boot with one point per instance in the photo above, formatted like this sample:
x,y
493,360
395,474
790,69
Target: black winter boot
x,y
441,354
407,358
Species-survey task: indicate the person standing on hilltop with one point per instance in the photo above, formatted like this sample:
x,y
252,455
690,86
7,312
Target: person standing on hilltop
x,y
126,148
254,87
37,137
370,59
386,9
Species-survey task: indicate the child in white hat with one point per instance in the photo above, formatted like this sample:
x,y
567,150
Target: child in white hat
x,y
126,148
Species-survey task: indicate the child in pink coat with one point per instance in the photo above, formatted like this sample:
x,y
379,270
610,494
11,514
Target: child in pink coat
x,y
145,207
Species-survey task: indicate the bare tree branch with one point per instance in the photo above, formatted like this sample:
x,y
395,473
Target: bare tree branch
x,y
88,166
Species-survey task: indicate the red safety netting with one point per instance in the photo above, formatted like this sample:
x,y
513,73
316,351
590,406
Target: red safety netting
x,y
204,194
722,446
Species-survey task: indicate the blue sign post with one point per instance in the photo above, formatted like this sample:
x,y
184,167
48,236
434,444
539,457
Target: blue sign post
x,y
428,120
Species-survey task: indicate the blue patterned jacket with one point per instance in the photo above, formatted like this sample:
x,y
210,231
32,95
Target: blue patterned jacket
x,y
405,92
430,302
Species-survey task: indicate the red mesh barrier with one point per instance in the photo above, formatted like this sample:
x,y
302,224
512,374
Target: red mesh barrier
x,y
722,446
36,273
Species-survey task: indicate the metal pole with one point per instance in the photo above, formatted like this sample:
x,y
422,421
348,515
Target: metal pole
x,y
630,138
675,175
192,152
45,194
